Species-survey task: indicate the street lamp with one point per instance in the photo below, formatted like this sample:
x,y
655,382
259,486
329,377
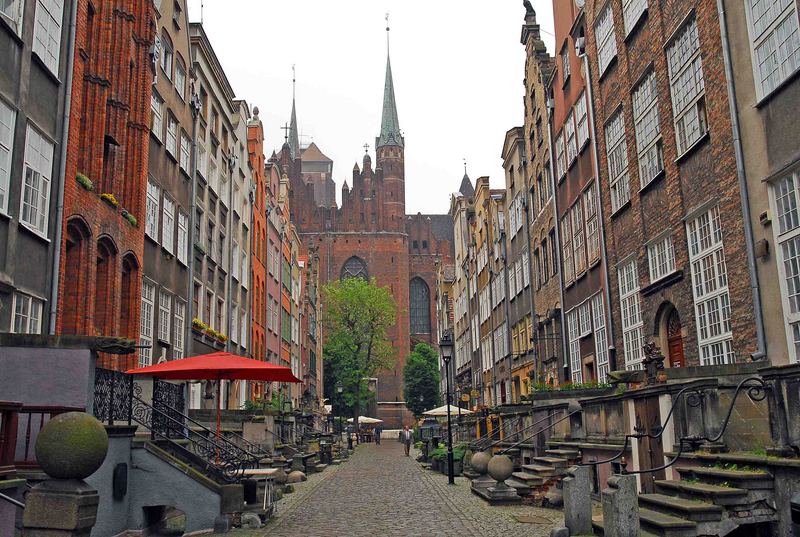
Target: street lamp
x,y
446,348
339,390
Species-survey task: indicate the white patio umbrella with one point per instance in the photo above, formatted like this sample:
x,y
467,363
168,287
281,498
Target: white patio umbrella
x,y
442,411
365,420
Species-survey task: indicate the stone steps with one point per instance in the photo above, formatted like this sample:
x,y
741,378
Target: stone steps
x,y
556,462
696,511
522,488
541,470
572,454
319,467
702,491
666,525
744,479
599,529
528,478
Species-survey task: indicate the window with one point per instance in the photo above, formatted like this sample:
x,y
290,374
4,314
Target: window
x,y
592,225
561,158
167,56
180,327
526,273
578,238
13,10
631,314
180,78
632,11
710,288
164,315
202,160
661,258
156,118
354,268
576,373
554,251
565,62
27,315
582,120
146,324
584,319
648,130
242,326
35,199
168,225
600,341
47,32
617,151
186,147
7,120
220,311
235,326
544,269
151,215
569,131
687,87
566,249
775,41
183,237
245,268
235,260
606,41
172,135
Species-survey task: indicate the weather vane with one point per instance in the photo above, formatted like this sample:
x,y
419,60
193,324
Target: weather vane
x,y
465,165
387,31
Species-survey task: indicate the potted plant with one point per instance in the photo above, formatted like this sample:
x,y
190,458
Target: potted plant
x,y
130,218
110,199
198,325
84,181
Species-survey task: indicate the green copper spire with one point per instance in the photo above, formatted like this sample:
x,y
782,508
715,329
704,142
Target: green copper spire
x,y
390,125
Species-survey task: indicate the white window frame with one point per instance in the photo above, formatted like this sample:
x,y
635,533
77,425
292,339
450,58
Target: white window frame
x,y
565,66
566,249
171,142
180,80
632,11
617,153
569,132
235,326
36,180
28,310
578,238
647,127
14,17
151,210
576,370
164,315
764,30
592,224
581,120
146,323
687,86
606,40
711,297
561,157
180,329
156,116
168,224
183,237
661,258
186,155
47,32
8,121
600,338
631,314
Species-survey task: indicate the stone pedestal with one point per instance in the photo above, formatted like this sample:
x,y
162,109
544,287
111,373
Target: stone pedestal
x,y
60,508
480,463
621,507
577,502
500,468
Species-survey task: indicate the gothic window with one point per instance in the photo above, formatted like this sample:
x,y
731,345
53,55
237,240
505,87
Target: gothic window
x,y
420,307
355,268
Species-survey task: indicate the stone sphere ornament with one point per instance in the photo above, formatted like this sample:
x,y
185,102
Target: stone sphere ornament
x,y
72,445
500,467
480,462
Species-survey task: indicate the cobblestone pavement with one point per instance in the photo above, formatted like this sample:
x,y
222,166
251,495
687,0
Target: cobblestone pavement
x,y
381,492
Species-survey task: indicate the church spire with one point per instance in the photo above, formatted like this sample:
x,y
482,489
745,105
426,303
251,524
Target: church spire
x,y
294,140
390,125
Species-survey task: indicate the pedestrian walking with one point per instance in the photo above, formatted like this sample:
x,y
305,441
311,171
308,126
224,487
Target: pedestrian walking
x,y
406,436
378,431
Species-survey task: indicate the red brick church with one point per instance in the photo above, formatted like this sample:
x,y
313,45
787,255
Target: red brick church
x,y
371,236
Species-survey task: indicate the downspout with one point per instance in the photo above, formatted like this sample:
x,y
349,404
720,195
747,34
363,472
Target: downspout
x,y
534,323
612,350
761,351
506,307
195,106
232,160
62,164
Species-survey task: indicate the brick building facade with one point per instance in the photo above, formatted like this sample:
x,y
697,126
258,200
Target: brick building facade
x,y
102,250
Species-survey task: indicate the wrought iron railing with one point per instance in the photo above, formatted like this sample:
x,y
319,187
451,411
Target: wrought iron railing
x,y
219,457
258,449
112,396
540,431
756,391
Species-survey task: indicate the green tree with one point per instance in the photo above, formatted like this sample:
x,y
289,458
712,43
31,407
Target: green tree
x,y
358,315
421,379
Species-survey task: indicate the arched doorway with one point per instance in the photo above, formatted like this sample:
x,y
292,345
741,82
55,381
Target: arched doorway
x,y
674,339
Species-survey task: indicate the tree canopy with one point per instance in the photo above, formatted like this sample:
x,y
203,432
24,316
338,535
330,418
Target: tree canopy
x,y
358,315
421,379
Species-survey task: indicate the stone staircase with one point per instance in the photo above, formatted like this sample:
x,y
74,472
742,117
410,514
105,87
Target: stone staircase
x,y
543,476
705,501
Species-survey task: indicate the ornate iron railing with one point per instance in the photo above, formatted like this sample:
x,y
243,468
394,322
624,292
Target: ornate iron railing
x,y
112,395
537,433
756,391
217,456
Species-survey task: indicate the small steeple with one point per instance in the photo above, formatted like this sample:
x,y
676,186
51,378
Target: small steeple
x,y
390,124
466,188
294,140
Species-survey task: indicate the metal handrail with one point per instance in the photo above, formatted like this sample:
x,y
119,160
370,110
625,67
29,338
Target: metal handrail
x,y
559,420
11,500
255,449
284,442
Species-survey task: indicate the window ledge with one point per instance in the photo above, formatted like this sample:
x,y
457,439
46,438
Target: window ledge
x,y
584,145
53,76
621,209
692,148
185,174
608,68
663,282
777,89
151,239
657,178
14,34
172,157
636,26
155,137
5,215
33,231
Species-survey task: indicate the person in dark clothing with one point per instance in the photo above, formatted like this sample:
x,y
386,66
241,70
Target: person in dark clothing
x,y
378,431
406,436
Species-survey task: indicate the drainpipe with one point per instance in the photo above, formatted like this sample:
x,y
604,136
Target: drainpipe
x,y
612,350
195,106
232,160
507,307
62,164
534,323
761,351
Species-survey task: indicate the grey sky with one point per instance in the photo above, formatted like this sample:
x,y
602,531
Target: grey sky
x,y
457,65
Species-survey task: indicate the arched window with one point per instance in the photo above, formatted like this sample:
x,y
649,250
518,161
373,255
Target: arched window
x,y
420,309
354,268
75,299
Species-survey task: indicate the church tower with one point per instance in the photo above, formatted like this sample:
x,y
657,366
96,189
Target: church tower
x,y
390,155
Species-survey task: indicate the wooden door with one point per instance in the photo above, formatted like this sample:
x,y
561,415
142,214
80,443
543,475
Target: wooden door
x,y
675,340
651,450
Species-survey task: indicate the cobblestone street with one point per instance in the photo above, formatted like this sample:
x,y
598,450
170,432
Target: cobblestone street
x,y
381,492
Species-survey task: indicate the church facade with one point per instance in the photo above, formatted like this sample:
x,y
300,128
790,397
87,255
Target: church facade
x,y
371,236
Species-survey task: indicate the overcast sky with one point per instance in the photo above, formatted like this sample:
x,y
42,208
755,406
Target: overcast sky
x,y
458,68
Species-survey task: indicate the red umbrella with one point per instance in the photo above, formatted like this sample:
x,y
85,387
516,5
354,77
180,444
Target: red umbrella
x,y
218,366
